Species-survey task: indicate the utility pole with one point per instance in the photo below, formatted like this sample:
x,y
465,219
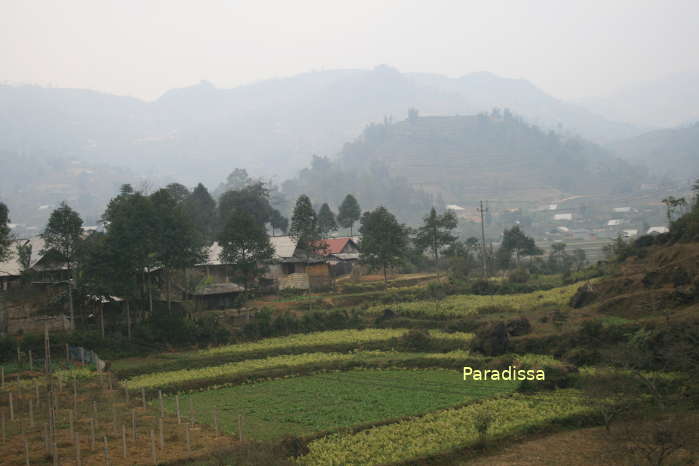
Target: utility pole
x,y
482,212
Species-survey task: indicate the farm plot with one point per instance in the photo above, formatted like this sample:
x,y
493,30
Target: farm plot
x,y
278,366
447,430
331,341
306,405
464,305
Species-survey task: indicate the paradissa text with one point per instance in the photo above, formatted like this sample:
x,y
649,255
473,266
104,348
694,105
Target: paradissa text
x,y
511,373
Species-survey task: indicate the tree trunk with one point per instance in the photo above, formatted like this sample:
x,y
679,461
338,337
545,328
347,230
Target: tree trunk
x,y
150,296
169,297
102,319
70,305
128,320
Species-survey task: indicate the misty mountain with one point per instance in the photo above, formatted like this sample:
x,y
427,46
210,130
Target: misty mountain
x,y
271,127
462,159
673,153
667,102
32,186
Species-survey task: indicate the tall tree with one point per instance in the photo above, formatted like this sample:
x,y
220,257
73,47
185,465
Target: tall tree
x,y
252,199
278,222
515,242
304,226
178,244
179,192
62,237
384,240
435,233
245,244
5,232
131,239
201,208
326,220
349,212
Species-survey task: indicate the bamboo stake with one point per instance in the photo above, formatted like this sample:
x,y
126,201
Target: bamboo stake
x,y
191,410
70,423
106,451
114,418
26,451
4,437
177,404
160,399
12,409
46,438
216,421
67,353
94,413
133,425
77,448
189,440
240,428
55,454
152,447
162,436
75,393
92,434
123,439
36,391
31,413
31,361
2,377
143,397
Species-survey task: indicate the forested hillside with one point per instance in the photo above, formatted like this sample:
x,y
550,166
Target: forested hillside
x,y
466,158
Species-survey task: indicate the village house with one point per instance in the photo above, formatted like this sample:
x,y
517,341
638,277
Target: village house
x,y
341,253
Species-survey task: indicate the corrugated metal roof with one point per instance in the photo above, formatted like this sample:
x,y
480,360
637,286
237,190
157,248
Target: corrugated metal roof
x,y
284,248
11,267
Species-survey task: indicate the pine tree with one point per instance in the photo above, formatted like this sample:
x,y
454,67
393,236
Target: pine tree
x,y
201,208
384,240
5,232
304,226
326,220
349,212
435,233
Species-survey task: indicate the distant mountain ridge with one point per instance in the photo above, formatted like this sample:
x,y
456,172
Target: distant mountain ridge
x,y
271,127
672,153
670,101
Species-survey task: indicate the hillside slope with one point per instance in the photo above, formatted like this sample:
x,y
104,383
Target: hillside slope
x,y
466,158
667,152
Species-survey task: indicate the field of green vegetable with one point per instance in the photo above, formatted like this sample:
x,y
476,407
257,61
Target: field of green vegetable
x,y
306,405
446,430
459,306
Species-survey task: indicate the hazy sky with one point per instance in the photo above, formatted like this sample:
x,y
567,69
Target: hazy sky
x,y
142,48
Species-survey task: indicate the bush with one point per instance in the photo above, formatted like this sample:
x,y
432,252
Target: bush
x,y
519,326
484,287
519,275
491,339
415,340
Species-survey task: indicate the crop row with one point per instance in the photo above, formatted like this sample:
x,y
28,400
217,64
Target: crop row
x,y
463,305
327,341
446,430
276,366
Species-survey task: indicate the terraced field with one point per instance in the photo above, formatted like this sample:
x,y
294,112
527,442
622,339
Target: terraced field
x,y
459,306
307,405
